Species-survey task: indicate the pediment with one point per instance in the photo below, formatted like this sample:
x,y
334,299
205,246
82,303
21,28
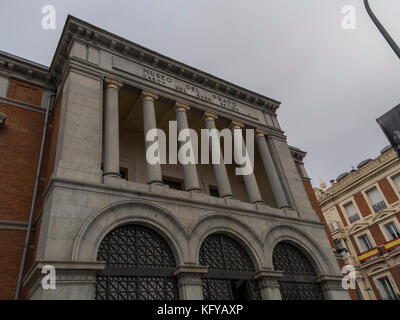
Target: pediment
x,y
378,268
358,226
384,214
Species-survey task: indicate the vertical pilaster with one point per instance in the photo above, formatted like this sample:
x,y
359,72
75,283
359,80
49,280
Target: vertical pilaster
x,y
111,128
250,181
268,284
189,282
189,170
154,174
273,178
221,175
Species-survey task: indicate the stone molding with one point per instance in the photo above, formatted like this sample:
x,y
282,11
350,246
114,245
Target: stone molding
x,y
192,270
78,29
13,225
330,283
66,271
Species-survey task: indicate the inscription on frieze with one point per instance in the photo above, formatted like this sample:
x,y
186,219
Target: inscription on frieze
x,y
182,86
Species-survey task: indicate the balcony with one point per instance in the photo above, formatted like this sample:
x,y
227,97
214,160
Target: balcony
x,y
379,206
354,218
392,244
368,254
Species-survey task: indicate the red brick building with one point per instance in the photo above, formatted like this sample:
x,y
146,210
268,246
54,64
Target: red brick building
x,y
362,212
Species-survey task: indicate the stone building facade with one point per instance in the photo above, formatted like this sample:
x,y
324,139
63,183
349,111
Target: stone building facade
x,y
116,227
362,212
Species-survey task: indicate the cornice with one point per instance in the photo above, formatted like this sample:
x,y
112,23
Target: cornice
x,y
297,154
358,177
17,67
77,29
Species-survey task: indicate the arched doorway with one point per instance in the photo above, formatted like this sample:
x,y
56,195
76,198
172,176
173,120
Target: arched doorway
x,y
299,280
230,270
139,266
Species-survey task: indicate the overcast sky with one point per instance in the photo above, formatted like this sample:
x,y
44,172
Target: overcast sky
x,y
333,83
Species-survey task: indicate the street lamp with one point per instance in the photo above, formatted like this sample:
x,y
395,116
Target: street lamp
x,y
380,27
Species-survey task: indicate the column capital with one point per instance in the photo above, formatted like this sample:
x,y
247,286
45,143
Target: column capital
x,y
181,106
236,125
209,116
147,95
261,132
113,83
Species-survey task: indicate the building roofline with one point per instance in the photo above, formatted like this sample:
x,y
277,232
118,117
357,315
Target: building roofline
x,y
75,26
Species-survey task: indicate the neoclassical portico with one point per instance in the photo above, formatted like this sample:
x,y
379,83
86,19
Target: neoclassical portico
x,y
191,179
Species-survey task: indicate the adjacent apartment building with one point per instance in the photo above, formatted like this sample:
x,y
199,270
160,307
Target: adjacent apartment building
x,y
116,226
362,212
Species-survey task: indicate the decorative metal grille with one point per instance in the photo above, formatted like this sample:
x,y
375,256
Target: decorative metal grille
x,y
379,206
139,266
217,289
230,270
354,218
299,278
221,253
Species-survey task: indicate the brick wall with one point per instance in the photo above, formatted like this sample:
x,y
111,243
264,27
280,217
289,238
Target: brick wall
x,y
315,205
26,92
20,140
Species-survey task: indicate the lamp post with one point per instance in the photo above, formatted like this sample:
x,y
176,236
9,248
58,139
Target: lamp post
x,y
382,30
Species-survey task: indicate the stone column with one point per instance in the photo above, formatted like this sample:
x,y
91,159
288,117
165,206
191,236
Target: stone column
x,y
268,284
250,181
154,175
111,128
189,170
189,281
273,178
224,187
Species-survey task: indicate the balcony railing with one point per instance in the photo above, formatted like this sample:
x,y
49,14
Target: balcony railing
x,y
368,254
354,218
379,206
392,244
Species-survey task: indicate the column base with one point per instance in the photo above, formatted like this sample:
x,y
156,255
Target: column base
x,y
194,190
228,196
112,174
155,183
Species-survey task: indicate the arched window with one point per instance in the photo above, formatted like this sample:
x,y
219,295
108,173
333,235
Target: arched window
x,y
139,266
299,280
230,270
